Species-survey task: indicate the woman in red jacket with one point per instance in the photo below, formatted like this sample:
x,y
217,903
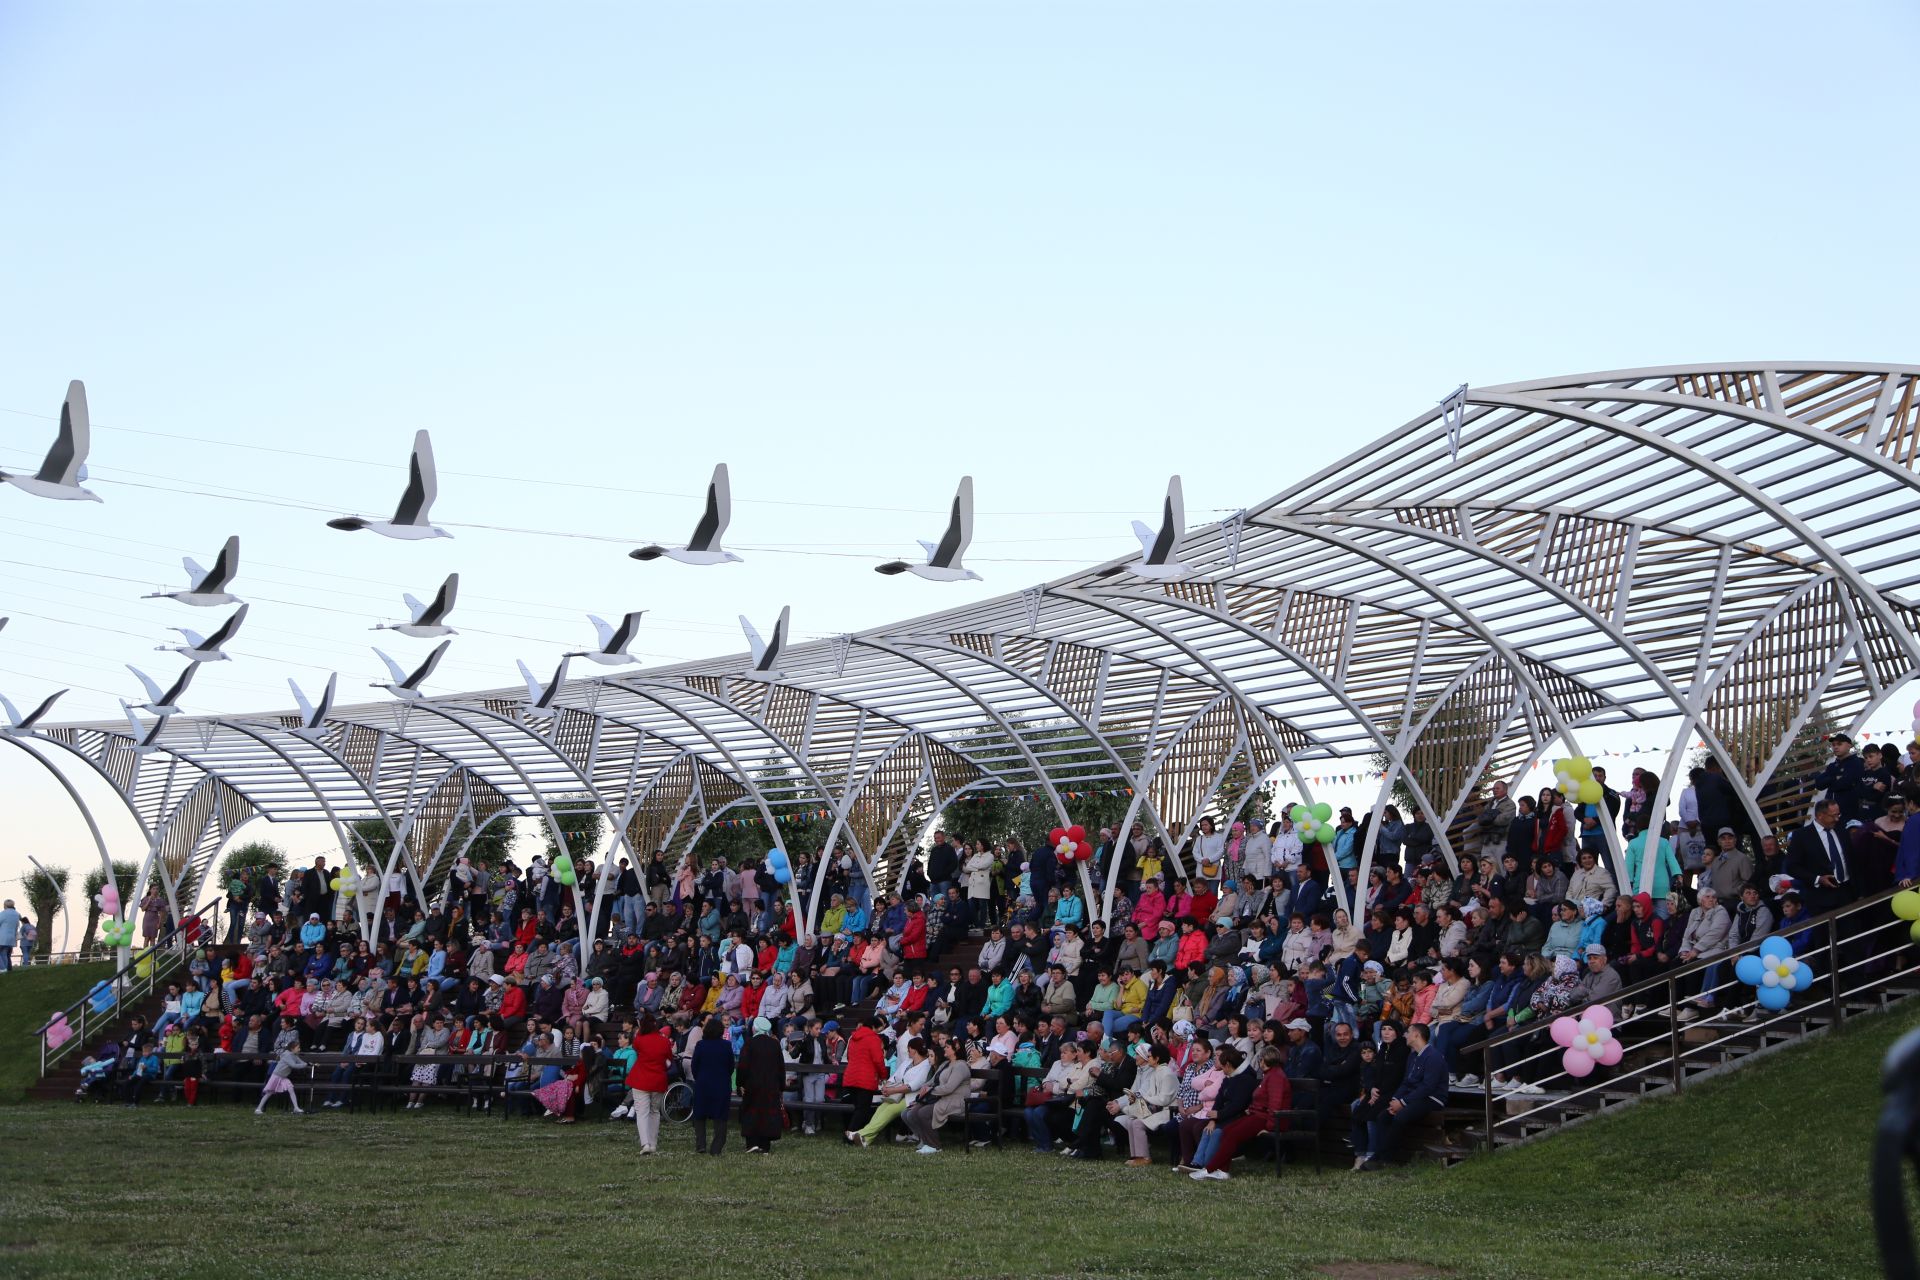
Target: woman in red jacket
x,y
647,1081
1273,1096
913,937
1642,960
866,1067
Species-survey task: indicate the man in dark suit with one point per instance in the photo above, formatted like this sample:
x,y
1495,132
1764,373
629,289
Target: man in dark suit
x,y
1423,1090
1820,863
316,889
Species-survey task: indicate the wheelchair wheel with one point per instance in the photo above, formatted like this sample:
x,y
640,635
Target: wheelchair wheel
x,y
678,1103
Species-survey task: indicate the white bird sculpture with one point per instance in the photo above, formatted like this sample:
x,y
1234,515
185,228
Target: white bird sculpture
x,y
613,640
539,697
704,547
144,736
409,521
407,687
1156,560
766,653
66,464
16,723
313,719
943,562
429,620
167,703
207,648
207,587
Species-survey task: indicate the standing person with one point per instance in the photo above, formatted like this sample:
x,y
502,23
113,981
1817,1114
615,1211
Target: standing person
x,y
9,935
866,1063
763,1080
979,871
278,1081
647,1081
1817,858
712,1086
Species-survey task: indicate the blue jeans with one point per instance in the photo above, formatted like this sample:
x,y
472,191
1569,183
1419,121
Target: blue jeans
x,y
1203,1152
1037,1129
1451,1037
633,913
862,984
237,984
1113,1022
1383,1131
6,958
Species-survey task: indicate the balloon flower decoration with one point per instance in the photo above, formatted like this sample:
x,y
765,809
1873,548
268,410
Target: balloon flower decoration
x,y
1906,905
117,933
1587,1039
782,869
57,1031
108,899
1775,974
1314,822
1573,778
1070,844
102,997
345,881
563,869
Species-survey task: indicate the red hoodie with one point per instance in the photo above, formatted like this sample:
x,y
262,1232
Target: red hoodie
x,y
866,1060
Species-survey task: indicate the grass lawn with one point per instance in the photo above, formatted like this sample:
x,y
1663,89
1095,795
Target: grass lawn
x,y
1759,1174
27,997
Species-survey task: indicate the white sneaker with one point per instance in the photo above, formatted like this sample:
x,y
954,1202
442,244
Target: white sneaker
x,y
1469,1081
924,1150
1199,1175
1690,1014
1218,1175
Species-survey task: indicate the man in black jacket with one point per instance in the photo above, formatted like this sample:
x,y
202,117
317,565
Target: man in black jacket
x,y
943,864
1820,862
1339,1073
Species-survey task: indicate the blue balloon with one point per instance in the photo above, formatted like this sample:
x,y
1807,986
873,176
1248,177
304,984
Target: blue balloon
x,y
776,857
1750,969
1776,946
1773,997
783,875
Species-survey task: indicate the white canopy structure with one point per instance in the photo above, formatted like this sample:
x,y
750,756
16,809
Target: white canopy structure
x,y
1728,549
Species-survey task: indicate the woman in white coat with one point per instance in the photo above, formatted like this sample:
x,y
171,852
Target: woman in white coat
x,y
1149,1104
979,870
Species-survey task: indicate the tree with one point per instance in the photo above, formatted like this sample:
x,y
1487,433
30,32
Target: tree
x,y
255,856
46,895
493,844
1236,782
1458,730
124,876
581,824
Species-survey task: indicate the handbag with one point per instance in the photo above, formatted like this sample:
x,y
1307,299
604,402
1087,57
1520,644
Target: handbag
x,y
1038,1097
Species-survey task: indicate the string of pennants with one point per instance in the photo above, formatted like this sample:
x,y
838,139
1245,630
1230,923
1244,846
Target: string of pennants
x,y
785,819
1083,794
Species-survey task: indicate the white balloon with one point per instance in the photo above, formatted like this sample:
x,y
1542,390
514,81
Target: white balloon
x,y
1769,979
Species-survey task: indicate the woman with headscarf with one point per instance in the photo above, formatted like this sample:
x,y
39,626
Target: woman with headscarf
x,y
763,1079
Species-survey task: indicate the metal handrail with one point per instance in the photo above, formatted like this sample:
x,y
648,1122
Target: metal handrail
x,y
1830,994
167,956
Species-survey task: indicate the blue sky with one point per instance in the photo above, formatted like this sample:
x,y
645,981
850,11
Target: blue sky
x,y
855,251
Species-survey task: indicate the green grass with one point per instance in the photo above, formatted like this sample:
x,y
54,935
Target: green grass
x,y
27,998
1758,1174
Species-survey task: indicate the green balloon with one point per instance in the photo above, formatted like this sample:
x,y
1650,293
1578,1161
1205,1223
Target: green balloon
x,y
1323,811
1298,813
1325,835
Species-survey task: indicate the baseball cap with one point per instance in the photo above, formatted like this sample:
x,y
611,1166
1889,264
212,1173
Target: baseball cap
x,y
1595,949
1299,1024
1726,831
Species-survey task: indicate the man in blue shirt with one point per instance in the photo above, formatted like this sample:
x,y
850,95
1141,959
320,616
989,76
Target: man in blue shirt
x,y
1422,1092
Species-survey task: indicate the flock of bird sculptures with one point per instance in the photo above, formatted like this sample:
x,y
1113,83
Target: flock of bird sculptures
x,y
62,475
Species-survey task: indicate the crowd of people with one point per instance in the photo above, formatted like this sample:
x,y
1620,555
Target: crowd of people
x,y
1251,967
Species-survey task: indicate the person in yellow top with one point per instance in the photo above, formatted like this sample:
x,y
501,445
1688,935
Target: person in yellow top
x,y
835,917
1131,1003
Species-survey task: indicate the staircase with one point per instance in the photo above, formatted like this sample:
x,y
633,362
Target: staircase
x,y
1863,960
141,989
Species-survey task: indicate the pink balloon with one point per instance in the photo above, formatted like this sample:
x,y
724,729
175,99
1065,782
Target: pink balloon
x,y
1564,1031
1599,1015
1576,1063
1610,1053
110,899
1916,711
58,1032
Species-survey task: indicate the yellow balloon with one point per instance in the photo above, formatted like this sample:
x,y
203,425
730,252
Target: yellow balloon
x,y
1591,792
1580,767
1906,904
1914,932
